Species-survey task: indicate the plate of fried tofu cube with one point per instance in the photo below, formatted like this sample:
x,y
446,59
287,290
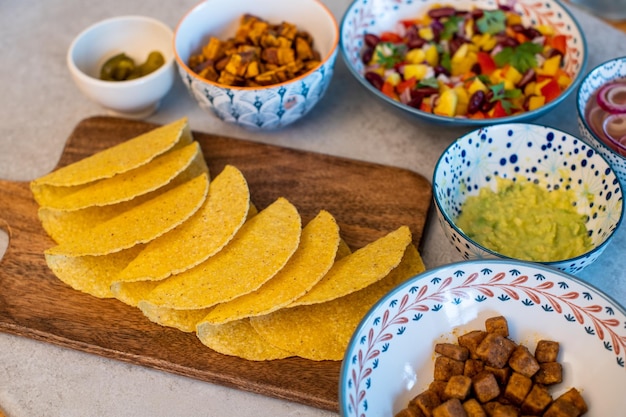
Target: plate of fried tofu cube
x,y
488,338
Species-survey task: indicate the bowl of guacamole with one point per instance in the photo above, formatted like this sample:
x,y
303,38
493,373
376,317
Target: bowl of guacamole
x,y
528,192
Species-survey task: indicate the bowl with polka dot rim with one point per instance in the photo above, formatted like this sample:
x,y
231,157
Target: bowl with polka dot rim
x,y
530,155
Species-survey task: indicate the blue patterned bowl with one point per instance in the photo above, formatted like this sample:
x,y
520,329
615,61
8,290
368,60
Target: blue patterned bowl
x,y
377,16
270,107
389,359
540,154
603,73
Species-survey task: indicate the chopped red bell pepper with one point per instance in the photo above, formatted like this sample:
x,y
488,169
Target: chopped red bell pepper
x,y
498,110
559,42
551,90
390,37
403,85
388,90
486,62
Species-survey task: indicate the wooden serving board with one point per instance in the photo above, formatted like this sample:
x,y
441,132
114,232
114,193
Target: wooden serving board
x,y
368,201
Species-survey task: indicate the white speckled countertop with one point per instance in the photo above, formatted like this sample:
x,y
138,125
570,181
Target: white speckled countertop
x,y
39,107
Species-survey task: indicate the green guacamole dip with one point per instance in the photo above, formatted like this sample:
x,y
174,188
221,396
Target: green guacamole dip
x,y
524,221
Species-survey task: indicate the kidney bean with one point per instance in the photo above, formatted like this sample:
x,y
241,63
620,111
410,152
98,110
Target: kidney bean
x,y
441,12
440,69
371,40
367,55
532,33
518,28
414,40
427,91
554,52
504,7
475,102
476,68
526,78
455,44
487,103
437,28
415,43
477,13
505,41
375,79
416,100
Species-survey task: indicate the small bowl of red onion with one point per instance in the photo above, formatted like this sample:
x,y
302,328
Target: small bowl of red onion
x,y
601,104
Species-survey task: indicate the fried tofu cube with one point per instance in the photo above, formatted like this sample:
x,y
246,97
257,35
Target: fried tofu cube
x,y
471,340
473,367
450,408
485,387
574,396
495,350
549,373
452,350
304,51
523,361
497,325
496,409
458,386
446,367
536,401
547,351
517,388
409,412
426,401
438,387
562,408
288,30
473,408
502,374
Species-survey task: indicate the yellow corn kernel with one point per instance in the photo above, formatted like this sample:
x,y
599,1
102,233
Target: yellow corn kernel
x,y
394,78
415,56
446,106
534,102
432,56
476,85
417,71
550,66
427,33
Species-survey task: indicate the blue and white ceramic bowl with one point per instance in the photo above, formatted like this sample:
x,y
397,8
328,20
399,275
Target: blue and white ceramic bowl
x,y
270,107
389,359
603,73
550,158
377,16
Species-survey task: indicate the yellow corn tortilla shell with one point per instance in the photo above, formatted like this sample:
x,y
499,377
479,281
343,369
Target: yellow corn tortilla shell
x,y
205,233
117,159
343,250
132,293
91,274
121,187
310,262
258,251
238,338
322,331
67,226
140,224
184,320
360,269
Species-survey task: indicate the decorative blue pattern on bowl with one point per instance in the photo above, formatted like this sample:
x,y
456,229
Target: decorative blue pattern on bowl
x,y
603,73
389,359
540,154
377,16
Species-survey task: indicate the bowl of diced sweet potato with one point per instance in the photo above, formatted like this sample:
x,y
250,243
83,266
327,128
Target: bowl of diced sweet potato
x,y
258,65
487,338
465,62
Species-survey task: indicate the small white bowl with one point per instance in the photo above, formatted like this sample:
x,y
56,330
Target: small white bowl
x,y
390,357
603,73
539,154
269,107
136,36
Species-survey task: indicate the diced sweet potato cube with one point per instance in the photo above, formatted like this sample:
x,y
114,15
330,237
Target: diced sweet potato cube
x,y
256,31
214,49
497,325
517,388
426,401
523,361
446,367
562,408
549,373
485,387
288,30
495,350
473,367
574,396
471,340
409,412
458,386
473,408
452,350
536,401
547,351
450,408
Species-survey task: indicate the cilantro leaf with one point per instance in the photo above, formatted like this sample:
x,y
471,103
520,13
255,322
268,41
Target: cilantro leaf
x,y
521,57
492,22
388,54
445,61
505,96
429,82
450,27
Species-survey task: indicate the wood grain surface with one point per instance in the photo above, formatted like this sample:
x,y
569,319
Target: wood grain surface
x,y
368,201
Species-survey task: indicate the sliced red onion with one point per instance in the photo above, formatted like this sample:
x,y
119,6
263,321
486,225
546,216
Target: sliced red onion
x,y
614,126
612,97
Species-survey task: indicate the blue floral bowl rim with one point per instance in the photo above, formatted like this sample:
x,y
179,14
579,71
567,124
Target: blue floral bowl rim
x,y
436,119
581,111
448,220
384,300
